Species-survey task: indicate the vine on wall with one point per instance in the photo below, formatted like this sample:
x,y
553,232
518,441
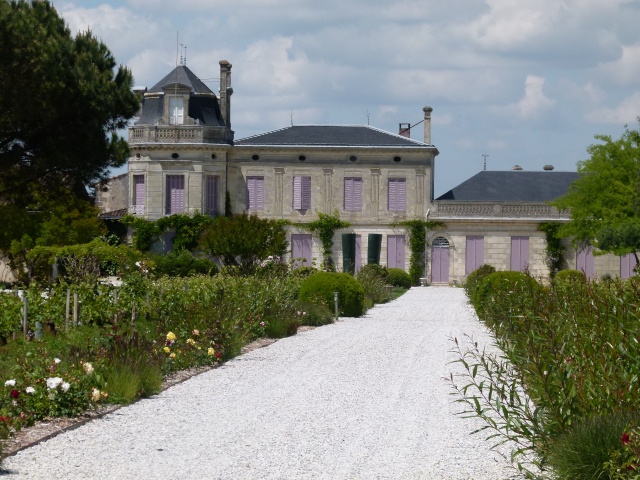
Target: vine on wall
x,y
325,227
417,236
188,229
555,247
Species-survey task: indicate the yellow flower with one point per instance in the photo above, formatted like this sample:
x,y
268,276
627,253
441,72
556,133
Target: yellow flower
x,y
173,355
167,349
171,336
211,351
191,341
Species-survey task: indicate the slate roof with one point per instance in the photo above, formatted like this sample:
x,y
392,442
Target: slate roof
x,y
330,135
512,186
182,75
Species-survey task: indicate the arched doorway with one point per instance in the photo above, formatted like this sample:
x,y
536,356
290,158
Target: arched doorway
x,y
440,260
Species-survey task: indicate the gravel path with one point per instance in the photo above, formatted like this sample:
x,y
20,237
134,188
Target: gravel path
x,y
360,399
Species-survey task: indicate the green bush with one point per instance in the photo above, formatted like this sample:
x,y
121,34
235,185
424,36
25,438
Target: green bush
x,y
582,451
570,276
319,289
281,327
375,270
182,263
313,315
399,278
475,279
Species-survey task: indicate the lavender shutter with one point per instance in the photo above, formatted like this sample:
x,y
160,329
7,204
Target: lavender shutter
x,y
260,193
301,249
357,194
251,192
211,195
519,253
627,265
392,195
475,253
348,193
139,194
175,194
297,193
306,193
401,195
391,251
585,262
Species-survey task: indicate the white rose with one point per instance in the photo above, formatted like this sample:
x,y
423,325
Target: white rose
x,y
88,368
65,387
95,394
10,383
53,383
56,360
30,390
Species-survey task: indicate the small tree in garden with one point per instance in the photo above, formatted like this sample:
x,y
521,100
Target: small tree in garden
x,y
244,241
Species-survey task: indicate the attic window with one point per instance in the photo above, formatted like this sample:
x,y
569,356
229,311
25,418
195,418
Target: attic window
x,y
176,110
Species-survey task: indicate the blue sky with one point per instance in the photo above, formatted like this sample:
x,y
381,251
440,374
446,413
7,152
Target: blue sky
x,y
526,82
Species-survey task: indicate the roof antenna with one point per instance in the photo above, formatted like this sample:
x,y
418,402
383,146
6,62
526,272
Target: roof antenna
x,y
183,59
292,117
485,155
367,116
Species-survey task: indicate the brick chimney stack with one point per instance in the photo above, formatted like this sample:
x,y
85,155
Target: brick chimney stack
x,y
427,124
225,92
404,130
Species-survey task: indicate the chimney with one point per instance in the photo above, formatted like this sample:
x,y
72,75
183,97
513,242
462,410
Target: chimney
x,y
405,130
225,92
548,168
517,168
427,124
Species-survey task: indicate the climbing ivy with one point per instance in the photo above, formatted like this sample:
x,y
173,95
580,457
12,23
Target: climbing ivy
x,y
325,227
188,229
417,236
555,247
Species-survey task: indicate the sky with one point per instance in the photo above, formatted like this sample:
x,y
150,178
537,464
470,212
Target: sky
x,y
526,82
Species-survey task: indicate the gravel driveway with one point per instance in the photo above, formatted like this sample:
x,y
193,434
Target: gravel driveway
x,y
360,399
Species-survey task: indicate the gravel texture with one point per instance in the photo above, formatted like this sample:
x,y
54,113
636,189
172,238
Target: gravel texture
x,y
363,398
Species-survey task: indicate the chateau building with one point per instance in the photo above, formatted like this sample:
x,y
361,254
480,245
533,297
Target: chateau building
x,y
184,159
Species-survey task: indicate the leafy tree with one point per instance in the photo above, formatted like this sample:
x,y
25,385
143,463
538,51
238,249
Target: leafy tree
x,y
244,241
605,201
62,99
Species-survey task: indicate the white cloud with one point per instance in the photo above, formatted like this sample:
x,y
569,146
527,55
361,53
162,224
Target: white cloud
x,y
533,103
624,71
626,112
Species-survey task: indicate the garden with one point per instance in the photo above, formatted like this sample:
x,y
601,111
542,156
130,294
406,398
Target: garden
x,y
564,386
77,342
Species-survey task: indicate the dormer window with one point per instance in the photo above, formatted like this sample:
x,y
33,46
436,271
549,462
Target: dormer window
x,y
176,110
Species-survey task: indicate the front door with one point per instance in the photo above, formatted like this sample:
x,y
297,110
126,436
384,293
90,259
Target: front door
x,y
440,260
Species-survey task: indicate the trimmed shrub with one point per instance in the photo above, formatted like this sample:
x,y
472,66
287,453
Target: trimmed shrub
x,y
183,264
399,278
375,270
570,276
319,289
503,295
475,279
313,315
281,327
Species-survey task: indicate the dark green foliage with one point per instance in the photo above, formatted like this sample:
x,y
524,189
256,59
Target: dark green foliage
x,y
183,264
243,242
555,248
325,227
474,281
281,327
304,272
581,452
319,289
227,204
374,270
399,278
62,100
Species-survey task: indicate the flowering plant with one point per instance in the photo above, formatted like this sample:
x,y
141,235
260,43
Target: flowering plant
x,y
625,461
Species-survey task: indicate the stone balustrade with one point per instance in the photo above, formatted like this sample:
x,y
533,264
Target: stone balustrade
x,y
179,134
470,210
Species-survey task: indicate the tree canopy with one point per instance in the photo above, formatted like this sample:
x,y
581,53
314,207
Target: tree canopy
x,y
62,100
605,201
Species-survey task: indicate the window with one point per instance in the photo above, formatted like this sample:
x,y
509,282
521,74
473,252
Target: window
x,y
475,253
519,253
138,195
211,195
176,110
397,194
353,194
395,251
301,193
175,194
255,193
